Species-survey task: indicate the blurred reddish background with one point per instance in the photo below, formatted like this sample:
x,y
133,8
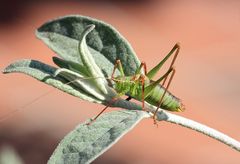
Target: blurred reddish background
x,y
207,79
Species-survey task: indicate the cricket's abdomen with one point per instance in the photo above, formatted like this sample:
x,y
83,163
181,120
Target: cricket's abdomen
x,y
134,89
170,102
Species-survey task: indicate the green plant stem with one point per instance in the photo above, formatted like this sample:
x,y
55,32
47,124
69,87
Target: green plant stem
x,y
185,122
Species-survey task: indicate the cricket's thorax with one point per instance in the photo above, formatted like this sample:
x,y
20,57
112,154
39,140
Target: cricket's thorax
x,y
126,85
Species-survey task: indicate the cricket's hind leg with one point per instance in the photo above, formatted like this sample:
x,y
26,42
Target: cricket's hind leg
x,y
164,93
173,61
175,49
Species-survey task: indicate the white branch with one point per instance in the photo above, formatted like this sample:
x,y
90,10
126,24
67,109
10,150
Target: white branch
x,y
188,123
163,115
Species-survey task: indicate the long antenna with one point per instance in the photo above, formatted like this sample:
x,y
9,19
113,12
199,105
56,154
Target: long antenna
x,y
10,114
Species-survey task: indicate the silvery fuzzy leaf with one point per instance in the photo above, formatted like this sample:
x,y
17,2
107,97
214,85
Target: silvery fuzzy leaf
x,y
105,43
45,73
86,142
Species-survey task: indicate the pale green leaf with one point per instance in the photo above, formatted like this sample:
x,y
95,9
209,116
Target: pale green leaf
x,y
71,66
80,81
89,62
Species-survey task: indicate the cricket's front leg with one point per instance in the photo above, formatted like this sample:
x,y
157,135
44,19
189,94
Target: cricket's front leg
x,y
118,65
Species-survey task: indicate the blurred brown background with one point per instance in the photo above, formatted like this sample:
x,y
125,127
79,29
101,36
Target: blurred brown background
x,y
207,79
